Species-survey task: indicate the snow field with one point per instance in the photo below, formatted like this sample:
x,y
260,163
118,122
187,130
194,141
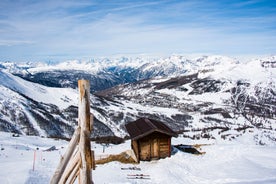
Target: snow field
x,y
224,162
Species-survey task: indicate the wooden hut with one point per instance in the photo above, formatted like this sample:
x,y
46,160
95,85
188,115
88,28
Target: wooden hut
x,y
150,139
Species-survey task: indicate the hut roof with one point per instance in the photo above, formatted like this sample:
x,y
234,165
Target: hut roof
x,y
144,126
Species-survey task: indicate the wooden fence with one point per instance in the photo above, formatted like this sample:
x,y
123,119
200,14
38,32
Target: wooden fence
x,y
78,160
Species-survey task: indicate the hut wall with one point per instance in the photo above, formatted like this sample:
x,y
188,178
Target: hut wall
x,y
154,146
144,150
165,147
135,147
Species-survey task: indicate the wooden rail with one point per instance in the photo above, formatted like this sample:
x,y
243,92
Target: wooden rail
x,y
78,160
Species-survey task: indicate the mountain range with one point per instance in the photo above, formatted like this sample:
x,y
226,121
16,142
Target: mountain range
x,y
208,97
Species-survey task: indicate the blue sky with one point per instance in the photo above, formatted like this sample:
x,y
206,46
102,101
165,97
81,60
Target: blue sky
x,y
32,30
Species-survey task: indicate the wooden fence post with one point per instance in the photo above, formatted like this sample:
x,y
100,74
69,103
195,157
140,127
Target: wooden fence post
x,y
78,165
84,123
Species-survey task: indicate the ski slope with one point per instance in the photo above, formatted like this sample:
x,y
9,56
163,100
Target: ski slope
x,y
224,162
61,97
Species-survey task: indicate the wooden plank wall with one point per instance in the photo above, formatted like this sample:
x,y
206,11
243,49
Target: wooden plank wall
x,y
154,146
135,147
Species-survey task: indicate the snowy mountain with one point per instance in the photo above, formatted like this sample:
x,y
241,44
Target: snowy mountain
x,y
105,73
210,97
213,107
34,109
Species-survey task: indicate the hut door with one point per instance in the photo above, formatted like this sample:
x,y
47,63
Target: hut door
x,y
154,148
145,150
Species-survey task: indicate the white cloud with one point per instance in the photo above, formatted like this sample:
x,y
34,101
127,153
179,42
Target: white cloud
x,y
15,42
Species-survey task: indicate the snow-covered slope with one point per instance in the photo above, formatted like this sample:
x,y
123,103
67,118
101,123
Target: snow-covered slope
x,y
24,160
212,100
61,97
223,101
33,109
210,97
